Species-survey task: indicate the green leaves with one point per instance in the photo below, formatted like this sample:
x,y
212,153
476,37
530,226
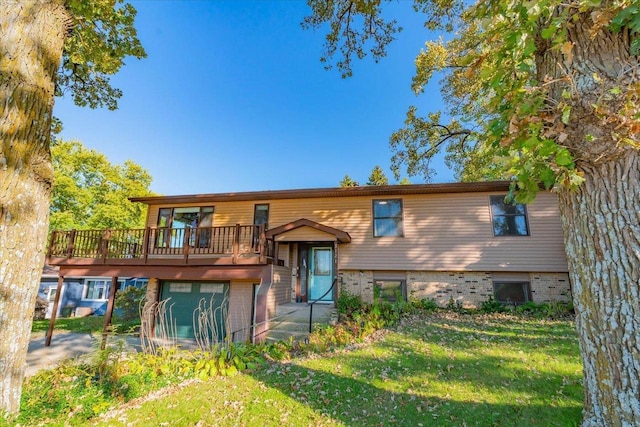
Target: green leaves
x,y
377,177
90,192
103,35
563,157
356,28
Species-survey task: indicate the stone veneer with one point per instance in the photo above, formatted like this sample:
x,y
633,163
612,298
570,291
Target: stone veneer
x,y
547,287
357,283
465,287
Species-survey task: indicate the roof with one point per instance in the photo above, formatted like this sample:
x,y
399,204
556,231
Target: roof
x,y
311,193
341,236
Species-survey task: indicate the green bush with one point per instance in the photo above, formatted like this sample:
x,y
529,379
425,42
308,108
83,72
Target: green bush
x,y
492,306
349,303
128,303
424,304
456,306
553,310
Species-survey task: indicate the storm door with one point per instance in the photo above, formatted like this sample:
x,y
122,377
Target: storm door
x,y
320,273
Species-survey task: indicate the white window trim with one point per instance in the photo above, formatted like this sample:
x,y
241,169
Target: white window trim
x,y
121,282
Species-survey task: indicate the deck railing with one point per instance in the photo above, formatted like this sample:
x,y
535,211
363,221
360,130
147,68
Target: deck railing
x,y
231,241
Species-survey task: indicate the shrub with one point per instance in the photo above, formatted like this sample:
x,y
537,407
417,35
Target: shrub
x,y
531,308
349,303
492,306
553,310
560,310
456,306
424,304
128,303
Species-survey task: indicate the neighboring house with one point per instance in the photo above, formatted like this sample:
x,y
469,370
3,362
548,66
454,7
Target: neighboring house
x,y
80,296
249,252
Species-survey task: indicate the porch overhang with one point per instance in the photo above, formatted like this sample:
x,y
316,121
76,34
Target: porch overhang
x,y
339,235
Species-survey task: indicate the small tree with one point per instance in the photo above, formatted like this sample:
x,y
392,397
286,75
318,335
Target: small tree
x,y
348,182
377,177
128,302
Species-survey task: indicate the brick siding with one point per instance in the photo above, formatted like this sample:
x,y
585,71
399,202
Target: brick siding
x,y
467,288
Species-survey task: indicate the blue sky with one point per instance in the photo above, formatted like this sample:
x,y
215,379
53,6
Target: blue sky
x,y
233,97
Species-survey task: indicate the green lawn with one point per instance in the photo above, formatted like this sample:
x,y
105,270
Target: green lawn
x,y
89,324
442,369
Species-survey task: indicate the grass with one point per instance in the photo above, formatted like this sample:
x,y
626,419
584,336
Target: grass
x,y
89,324
442,369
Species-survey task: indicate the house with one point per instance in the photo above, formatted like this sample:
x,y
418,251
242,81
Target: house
x,y
249,252
79,296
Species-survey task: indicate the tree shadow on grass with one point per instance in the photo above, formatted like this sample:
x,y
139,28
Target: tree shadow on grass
x,y
393,382
360,402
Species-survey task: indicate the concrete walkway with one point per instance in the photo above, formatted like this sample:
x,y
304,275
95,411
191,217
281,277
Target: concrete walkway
x,y
67,345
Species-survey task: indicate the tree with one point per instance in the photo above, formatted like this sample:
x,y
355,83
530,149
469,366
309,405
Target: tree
x,y
348,182
91,193
377,177
545,93
47,47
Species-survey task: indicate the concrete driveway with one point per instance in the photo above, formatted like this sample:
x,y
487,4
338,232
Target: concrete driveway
x,y
67,345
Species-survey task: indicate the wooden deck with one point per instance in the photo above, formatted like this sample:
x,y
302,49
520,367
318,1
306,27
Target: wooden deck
x,y
229,245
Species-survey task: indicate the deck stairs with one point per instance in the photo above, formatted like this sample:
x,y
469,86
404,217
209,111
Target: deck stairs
x,y
292,320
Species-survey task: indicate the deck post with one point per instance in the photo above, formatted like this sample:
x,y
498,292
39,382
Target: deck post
x,y
52,239
145,244
106,236
109,313
236,244
52,320
71,243
262,247
185,246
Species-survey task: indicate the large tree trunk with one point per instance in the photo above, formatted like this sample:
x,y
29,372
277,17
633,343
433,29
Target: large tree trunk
x,y
601,219
601,224
31,43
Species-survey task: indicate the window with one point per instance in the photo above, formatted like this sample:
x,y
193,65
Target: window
x,y
261,215
511,292
186,217
97,289
138,283
178,219
179,287
51,293
389,290
508,219
212,288
387,218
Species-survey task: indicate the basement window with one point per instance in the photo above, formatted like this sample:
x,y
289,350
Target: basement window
x,y
513,293
389,290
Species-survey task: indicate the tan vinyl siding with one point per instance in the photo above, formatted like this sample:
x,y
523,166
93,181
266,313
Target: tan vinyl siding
x,y
442,232
281,286
240,303
305,234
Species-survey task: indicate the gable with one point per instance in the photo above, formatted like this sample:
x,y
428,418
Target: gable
x,y
305,234
307,230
